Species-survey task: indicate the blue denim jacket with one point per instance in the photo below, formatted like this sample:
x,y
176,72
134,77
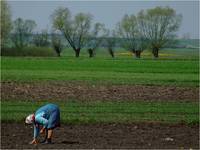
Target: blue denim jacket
x,y
42,117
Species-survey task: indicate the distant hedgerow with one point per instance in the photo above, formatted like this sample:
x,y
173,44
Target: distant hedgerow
x,y
28,51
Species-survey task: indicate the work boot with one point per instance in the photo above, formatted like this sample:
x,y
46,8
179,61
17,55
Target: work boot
x,y
49,141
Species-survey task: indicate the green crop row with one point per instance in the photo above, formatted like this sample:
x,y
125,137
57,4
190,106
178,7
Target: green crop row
x,y
107,112
117,71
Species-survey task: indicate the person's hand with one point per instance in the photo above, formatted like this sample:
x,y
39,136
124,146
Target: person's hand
x,y
33,142
42,131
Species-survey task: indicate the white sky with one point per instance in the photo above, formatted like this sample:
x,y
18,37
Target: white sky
x,y
107,12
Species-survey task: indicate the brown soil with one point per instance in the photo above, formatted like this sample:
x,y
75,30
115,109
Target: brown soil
x,y
105,136
68,91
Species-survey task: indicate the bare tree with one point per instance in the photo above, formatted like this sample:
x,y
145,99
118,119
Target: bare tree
x,y
95,38
6,23
76,30
159,26
22,30
128,30
41,39
57,42
110,41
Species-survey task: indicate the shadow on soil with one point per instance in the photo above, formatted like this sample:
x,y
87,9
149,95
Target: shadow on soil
x,y
70,142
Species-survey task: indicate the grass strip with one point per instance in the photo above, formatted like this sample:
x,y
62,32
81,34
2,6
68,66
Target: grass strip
x,y
117,71
74,112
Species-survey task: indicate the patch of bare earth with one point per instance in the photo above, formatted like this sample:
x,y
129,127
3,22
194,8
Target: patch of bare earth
x,y
105,136
88,92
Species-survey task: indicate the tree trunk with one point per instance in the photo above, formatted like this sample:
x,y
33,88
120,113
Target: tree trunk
x,y
155,52
111,52
77,52
91,52
137,53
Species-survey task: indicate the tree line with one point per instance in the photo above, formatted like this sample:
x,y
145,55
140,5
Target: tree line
x,y
149,29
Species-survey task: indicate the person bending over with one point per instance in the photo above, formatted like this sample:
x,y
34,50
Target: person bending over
x,y
47,118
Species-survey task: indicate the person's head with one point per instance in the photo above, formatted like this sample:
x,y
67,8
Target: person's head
x,y
30,119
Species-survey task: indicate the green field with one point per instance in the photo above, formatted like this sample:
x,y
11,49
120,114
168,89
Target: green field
x,y
173,68
107,112
102,70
